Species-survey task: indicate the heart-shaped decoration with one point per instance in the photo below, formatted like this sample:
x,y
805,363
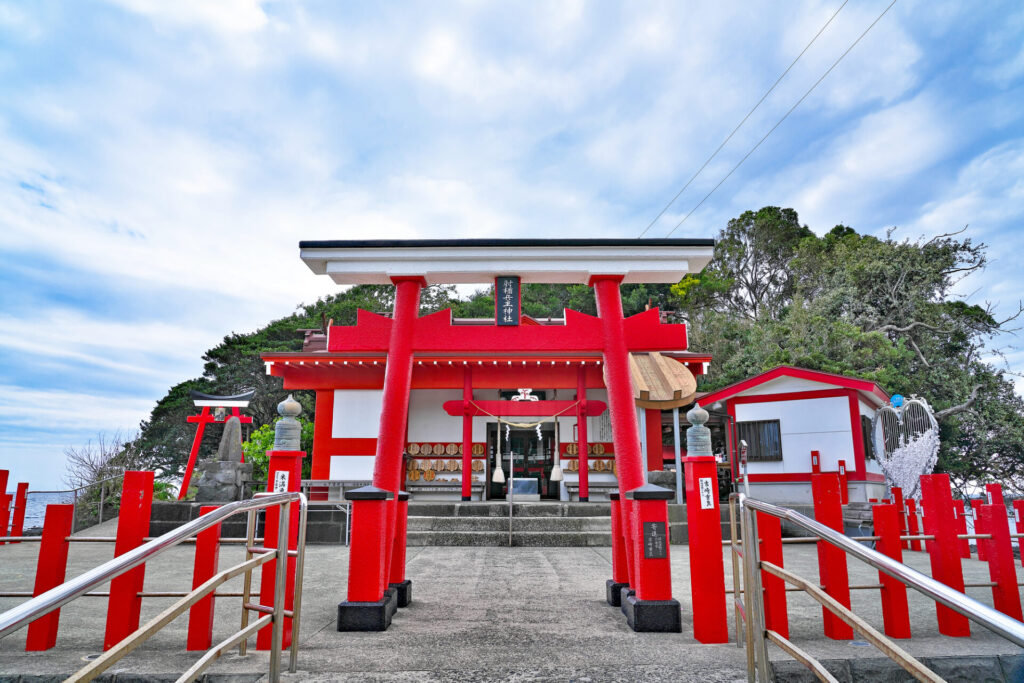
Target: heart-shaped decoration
x,y
906,440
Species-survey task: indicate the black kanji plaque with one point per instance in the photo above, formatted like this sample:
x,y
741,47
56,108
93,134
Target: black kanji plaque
x,y
655,541
506,300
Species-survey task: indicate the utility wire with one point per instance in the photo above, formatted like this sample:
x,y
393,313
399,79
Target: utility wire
x,y
740,125
784,117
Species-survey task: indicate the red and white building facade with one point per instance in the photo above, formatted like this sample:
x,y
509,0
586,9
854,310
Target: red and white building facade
x,y
791,416
467,374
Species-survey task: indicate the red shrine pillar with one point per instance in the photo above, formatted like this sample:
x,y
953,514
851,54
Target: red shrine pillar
x,y
644,509
581,435
387,473
467,434
655,452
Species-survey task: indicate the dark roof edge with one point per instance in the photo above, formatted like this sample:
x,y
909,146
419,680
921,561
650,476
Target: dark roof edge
x,y
586,242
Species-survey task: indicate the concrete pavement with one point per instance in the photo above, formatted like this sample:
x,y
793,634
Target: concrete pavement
x,y
485,613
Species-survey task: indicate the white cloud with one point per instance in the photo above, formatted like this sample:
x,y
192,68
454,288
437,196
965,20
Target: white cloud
x,y
855,173
988,195
185,154
68,410
230,16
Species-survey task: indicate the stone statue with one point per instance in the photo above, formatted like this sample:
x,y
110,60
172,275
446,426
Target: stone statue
x,y
288,430
698,437
223,480
230,448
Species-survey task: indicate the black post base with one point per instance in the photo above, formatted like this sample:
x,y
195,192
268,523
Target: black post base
x,y
653,616
613,592
466,498
368,616
584,499
624,594
403,591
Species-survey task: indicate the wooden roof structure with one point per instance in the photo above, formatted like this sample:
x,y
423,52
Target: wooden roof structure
x,y
661,383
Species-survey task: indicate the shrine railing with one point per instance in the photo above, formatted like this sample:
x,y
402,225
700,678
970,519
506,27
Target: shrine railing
x,y
749,594
256,556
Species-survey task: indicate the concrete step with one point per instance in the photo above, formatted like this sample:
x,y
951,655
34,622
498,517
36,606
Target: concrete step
x,y
442,524
519,538
500,509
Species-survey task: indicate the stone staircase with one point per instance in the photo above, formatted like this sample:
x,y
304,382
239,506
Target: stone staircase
x,y
548,523
487,524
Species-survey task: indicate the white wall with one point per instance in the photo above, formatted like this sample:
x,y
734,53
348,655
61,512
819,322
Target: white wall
x,y
816,424
785,385
352,467
429,422
356,413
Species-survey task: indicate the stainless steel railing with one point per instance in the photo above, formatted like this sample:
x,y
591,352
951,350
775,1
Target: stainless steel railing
x,y
75,494
20,616
751,609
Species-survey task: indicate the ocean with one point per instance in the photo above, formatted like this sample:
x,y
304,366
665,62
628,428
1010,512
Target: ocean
x,y
35,507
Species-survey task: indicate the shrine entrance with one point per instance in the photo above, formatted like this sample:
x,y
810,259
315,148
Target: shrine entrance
x,y
529,456
382,359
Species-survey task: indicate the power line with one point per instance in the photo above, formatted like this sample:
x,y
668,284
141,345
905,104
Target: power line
x,y
740,125
784,117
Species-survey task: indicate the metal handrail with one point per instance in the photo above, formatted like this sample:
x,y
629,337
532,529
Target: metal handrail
x,y
18,617
978,612
79,488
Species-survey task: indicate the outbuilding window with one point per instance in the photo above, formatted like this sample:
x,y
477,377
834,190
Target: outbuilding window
x,y
869,443
764,439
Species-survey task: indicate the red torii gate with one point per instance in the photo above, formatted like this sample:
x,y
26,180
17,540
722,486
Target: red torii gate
x,y
377,554
220,416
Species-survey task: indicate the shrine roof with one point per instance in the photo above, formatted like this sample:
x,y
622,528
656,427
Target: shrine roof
x,y
474,261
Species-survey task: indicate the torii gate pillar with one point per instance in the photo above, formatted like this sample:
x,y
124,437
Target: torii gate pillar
x,y
648,603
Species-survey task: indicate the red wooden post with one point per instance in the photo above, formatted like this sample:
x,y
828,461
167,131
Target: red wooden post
x,y
1005,595
815,462
50,571
769,531
284,473
582,444
995,494
707,572
652,428
5,512
844,486
897,499
1018,509
895,611
915,529
652,608
365,609
979,528
467,442
200,615
125,605
5,504
828,510
960,512
944,553
620,566
20,500
396,579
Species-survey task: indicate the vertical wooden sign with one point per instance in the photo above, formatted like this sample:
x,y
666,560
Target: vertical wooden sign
x,y
506,300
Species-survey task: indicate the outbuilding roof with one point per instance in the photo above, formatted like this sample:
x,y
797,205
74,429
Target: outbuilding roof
x,y
866,387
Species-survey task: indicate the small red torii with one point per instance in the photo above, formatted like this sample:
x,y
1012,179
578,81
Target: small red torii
x,y
220,405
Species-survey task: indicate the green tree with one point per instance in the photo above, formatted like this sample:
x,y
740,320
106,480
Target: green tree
x,y
878,308
262,440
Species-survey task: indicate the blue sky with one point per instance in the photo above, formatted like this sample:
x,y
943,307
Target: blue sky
x,y
160,161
